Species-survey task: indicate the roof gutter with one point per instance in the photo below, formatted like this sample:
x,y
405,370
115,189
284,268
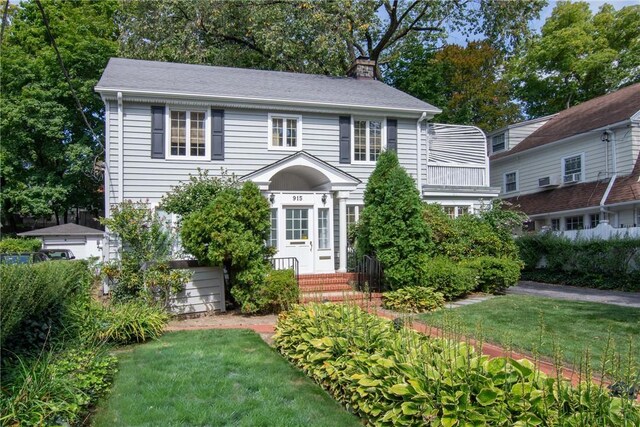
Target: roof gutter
x,y
227,98
560,141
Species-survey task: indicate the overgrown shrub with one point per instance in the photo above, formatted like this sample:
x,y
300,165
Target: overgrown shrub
x,y
489,233
10,245
391,225
55,388
390,377
231,231
495,275
413,299
449,278
606,264
279,292
35,298
141,272
131,322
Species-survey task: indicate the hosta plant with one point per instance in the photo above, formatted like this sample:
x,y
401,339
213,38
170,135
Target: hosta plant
x,y
400,377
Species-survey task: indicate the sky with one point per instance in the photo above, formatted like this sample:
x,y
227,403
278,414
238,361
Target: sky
x,y
546,12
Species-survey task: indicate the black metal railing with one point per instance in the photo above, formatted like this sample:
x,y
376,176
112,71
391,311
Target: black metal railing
x,y
287,263
370,275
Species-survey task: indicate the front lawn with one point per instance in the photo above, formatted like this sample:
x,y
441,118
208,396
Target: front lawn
x,y
534,324
214,377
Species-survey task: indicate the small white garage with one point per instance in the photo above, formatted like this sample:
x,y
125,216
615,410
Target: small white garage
x,y
83,241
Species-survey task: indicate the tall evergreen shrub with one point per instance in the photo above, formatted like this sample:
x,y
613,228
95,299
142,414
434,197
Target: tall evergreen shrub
x,y
391,225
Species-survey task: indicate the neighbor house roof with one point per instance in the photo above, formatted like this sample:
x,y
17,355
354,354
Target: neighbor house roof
x,y
64,230
590,115
240,84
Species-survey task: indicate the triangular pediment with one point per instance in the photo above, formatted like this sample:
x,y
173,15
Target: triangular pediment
x,y
302,164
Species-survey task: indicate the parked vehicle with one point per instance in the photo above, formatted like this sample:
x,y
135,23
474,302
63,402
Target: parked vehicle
x,y
23,258
58,254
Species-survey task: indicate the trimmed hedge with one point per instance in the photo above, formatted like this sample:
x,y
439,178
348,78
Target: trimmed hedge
x,y
11,245
495,275
453,280
413,299
390,377
34,299
595,263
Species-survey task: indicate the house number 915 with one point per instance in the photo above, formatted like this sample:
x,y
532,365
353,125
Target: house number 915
x,y
297,198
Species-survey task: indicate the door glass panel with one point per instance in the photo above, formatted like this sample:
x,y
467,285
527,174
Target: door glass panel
x,y
297,223
323,228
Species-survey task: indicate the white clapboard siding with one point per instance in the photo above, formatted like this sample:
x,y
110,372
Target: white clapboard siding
x,y
203,293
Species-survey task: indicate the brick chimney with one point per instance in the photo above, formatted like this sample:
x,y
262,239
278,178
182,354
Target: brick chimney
x,y
362,69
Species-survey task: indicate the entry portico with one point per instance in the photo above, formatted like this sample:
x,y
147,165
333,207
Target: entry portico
x,y
302,190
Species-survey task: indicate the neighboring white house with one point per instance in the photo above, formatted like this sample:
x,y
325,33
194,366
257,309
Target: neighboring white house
x,y
578,167
83,241
309,142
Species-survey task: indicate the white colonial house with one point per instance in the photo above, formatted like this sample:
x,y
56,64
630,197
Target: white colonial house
x,y
309,142
576,169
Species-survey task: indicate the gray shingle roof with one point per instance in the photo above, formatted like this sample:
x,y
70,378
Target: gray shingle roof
x,y
64,230
137,76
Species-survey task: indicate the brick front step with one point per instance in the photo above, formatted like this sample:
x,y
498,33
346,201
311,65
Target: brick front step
x,y
324,288
326,279
375,299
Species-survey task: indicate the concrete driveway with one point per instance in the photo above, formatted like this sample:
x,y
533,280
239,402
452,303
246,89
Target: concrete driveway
x,y
626,299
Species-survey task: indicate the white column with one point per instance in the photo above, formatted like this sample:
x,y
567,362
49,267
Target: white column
x,y
342,203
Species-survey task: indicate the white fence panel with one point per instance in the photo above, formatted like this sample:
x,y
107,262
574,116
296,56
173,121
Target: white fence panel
x,y
603,231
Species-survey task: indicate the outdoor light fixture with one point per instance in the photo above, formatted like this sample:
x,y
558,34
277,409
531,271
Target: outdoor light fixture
x,y
324,199
605,136
272,198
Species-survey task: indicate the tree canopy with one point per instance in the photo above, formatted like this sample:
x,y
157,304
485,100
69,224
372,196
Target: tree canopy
x,y
48,151
578,56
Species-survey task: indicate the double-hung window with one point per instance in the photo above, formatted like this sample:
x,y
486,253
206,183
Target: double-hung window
x,y
285,132
497,143
574,223
572,168
188,136
510,182
367,139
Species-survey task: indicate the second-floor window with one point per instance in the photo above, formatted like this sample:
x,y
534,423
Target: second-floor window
x,y
510,182
284,132
187,133
367,140
572,168
497,143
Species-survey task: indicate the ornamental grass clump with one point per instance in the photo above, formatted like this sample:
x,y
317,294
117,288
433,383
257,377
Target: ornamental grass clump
x,y
400,377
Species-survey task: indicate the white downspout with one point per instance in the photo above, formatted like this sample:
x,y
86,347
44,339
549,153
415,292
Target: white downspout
x,y
120,149
419,151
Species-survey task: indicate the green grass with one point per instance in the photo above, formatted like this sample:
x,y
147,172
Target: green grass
x,y
214,378
534,325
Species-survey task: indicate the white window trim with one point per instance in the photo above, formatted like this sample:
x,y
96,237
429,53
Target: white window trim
x,y
383,135
504,142
504,182
456,209
582,166
270,117
207,133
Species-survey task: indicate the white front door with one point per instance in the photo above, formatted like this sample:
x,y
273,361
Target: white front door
x,y
298,236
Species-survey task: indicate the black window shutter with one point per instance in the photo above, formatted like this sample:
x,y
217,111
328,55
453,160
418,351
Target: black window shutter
x,y
345,139
157,132
217,134
392,135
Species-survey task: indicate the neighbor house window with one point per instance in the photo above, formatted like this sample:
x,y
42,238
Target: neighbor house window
x,y
456,211
594,220
353,214
323,228
510,182
572,168
574,223
187,133
555,224
273,234
367,140
497,143
284,132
